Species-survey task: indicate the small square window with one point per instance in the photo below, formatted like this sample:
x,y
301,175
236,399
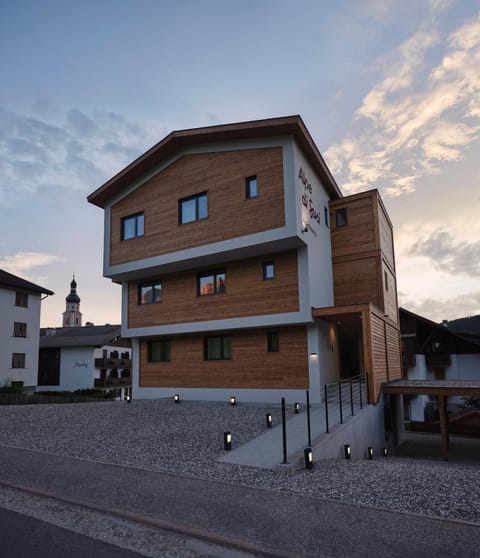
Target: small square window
x,y
218,347
193,208
341,219
251,187
273,342
19,329
133,226
268,270
18,360
325,212
149,293
159,350
21,300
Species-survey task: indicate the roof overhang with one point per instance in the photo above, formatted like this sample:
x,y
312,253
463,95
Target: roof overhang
x,y
433,387
282,126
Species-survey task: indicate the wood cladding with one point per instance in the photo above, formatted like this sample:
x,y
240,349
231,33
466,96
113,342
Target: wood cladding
x,y
251,366
220,174
247,294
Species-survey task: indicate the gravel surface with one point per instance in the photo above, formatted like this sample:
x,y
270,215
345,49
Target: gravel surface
x,y
186,439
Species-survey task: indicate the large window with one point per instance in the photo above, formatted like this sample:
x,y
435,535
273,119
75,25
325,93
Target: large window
x,y
211,282
193,208
218,347
19,329
21,299
133,226
341,217
159,350
148,293
18,360
251,187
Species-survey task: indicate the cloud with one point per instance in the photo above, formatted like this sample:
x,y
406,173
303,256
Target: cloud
x,y
438,309
22,263
418,116
78,153
448,254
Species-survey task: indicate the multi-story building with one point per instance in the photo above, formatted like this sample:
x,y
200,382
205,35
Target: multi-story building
x,y
20,304
245,271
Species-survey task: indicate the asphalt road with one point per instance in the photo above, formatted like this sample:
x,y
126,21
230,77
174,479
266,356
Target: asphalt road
x,y
22,536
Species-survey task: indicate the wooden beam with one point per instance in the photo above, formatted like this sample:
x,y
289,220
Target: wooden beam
x,y
442,407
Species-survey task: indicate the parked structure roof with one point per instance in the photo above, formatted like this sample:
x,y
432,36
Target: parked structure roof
x,y
86,336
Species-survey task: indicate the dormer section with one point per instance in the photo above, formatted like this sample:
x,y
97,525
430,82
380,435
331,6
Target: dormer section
x,y
363,253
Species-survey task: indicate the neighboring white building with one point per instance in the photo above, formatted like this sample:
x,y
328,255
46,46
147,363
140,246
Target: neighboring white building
x,y
74,358
20,303
431,351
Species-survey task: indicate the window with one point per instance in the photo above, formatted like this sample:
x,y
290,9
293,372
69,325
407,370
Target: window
x,y
325,212
341,217
148,293
21,299
386,280
193,208
211,282
159,350
132,226
18,360
218,347
268,270
19,329
273,341
251,187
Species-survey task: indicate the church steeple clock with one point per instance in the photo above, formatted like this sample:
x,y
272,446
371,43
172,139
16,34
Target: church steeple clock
x,y
72,317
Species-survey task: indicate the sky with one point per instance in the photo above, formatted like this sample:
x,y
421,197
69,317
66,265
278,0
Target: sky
x,y
389,90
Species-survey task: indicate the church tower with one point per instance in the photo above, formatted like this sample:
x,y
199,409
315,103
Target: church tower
x,y
72,317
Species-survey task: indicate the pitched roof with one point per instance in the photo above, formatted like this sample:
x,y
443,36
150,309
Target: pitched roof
x,y
10,281
86,336
282,126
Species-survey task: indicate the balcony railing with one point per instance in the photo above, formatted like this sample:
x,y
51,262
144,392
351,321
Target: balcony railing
x,y
110,363
112,382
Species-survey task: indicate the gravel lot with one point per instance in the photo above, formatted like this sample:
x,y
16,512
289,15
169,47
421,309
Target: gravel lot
x,y
187,439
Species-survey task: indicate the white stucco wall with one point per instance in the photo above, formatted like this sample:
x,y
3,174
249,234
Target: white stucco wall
x,y
9,313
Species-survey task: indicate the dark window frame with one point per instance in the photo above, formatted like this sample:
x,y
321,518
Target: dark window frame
x,y
149,285
21,299
197,198
266,266
273,341
19,329
385,275
341,217
214,273
327,220
223,351
18,360
251,193
165,350
135,217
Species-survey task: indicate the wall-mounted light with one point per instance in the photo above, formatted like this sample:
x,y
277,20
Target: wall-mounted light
x,y
268,418
370,452
304,227
313,355
347,451
227,440
296,408
233,400
308,455
176,398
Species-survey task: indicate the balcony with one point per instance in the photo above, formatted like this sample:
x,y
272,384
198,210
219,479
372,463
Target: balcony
x,y
112,382
438,360
111,363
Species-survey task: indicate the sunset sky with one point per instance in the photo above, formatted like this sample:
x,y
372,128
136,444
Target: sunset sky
x,y
389,90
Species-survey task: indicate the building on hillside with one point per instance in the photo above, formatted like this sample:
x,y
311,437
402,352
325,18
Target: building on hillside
x,y
245,271
72,317
73,358
431,351
20,307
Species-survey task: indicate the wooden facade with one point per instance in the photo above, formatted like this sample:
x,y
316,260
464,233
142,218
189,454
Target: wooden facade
x,y
222,176
247,293
251,365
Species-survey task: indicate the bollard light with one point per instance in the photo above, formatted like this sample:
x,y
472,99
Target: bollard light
x,y
308,454
347,451
296,407
370,452
128,399
268,417
385,452
233,401
227,440
176,398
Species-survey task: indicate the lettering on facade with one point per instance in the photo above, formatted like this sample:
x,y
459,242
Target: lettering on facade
x,y
307,200
80,365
